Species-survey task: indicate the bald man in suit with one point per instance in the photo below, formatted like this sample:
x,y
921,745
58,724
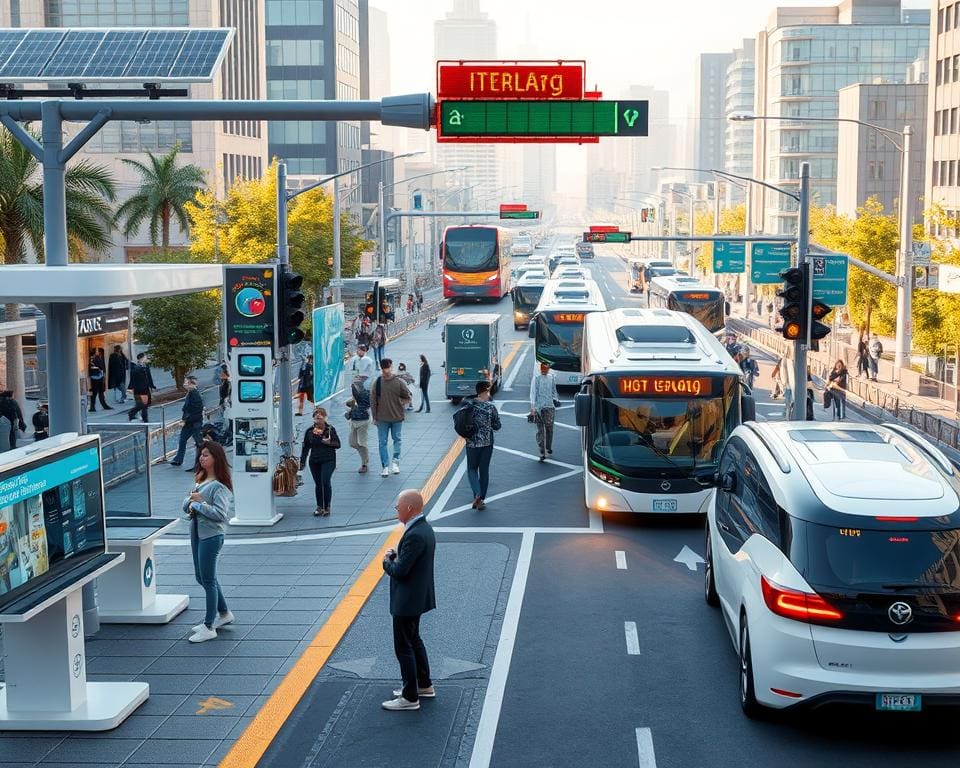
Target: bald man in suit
x,y
410,568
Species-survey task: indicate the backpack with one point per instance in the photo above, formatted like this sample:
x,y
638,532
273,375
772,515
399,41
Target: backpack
x,y
463,421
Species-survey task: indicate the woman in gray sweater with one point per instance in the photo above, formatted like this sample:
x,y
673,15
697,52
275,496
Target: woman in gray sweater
x,y
208,509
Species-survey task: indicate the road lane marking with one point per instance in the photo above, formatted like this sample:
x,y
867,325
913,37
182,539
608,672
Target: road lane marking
x,y
645,748
493,699
508,387
505,494
533,457
621,560
271,717
524,416
633,640
689,558
511,354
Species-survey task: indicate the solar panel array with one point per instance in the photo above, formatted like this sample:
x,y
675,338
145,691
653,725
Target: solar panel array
x,y
140,55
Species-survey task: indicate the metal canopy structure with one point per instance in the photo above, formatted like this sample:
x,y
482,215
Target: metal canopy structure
x,y
118,55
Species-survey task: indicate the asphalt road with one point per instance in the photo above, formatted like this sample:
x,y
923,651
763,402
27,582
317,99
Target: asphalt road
x,y
565,639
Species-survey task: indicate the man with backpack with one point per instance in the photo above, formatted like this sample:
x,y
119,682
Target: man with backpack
x,y
476,421
388,399
876,349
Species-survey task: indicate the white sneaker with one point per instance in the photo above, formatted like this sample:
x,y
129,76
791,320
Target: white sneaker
x,y
395,467
399,704
384,472
423,693
203,634
218,622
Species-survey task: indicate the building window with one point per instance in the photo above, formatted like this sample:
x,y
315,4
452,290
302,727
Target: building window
x,y
940,22
952,173
878,110
956,15
947,20
294,13
955,70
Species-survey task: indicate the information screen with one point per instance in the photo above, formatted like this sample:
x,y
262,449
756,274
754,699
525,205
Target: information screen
x,y
251,365
51,517
252,391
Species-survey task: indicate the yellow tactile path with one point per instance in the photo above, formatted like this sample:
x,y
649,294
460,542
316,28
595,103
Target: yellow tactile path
x,y
256,739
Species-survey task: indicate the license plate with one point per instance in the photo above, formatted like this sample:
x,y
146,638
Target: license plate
x,y
664,505
573,378
898,702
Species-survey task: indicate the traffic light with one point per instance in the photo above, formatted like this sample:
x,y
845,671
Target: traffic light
x,y
794,309
386,309
370,306
289,307
817,329
651,214
643,215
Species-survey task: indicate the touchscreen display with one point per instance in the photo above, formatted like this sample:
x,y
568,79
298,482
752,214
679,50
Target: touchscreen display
x,y
51,515
251,391
251,365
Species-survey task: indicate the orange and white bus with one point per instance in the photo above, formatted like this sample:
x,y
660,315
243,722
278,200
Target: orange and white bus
x,y
475,260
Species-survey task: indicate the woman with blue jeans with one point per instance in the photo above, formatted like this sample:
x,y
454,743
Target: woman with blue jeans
x,y
208,509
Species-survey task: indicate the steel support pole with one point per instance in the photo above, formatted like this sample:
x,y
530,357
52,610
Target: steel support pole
x,y
904,341
337,276
380,268
801,345
408,261
283,351
691,253
748,201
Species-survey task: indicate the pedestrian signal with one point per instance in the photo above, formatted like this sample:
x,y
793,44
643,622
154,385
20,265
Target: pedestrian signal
x,y
289,307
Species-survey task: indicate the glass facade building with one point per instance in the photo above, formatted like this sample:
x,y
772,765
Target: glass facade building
x,y
738,136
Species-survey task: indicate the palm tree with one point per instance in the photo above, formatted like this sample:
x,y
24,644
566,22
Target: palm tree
x,y
89,188
165,188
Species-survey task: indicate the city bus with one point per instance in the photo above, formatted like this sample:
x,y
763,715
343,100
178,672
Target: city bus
x,y
475,260
557,326
687,294
659,398
526,295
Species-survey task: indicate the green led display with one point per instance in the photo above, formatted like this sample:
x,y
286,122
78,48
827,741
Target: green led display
x,y
543,118
520,215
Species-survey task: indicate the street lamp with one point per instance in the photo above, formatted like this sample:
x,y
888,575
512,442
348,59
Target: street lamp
x,y
904,276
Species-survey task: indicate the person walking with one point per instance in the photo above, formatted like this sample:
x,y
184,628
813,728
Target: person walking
x,y
404,375
6,435
876,350
362,364
192,423
863,357
388,397
10,409
364,335
486,420
141,382
225,387
748,366
378,341
544,400
412,594
359,418
305,384
98,382
424,384
41,422
837,387
117,367
320,445
208,508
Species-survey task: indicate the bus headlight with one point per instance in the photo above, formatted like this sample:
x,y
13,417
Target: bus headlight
x,y
605,476
492,278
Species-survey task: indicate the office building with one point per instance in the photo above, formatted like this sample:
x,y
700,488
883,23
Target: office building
x,y
225,149
709,109
467,33
868,161
738,136
942,184
804,56
539,175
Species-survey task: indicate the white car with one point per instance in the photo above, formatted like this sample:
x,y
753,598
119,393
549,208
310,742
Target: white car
x,y
833,551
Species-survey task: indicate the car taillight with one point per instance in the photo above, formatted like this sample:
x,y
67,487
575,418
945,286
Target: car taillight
x,y
797,605
898,519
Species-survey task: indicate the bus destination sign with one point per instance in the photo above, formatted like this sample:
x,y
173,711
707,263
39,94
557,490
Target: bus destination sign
x,y
666,386
510,80
568,317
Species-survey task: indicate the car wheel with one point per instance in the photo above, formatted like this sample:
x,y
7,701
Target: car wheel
x,y
709,583
456,400
748,698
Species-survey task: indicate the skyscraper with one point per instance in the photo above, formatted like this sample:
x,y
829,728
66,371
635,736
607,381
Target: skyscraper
x,y
943,114
709,108
539,174
738,136
467,33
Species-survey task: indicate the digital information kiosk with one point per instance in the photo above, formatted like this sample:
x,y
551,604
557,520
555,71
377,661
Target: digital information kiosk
x,y
52,543
249,314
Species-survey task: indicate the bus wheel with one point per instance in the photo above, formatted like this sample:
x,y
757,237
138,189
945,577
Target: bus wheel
x,y
456,400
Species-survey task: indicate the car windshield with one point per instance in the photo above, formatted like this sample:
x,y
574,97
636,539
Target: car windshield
x,y
638,433
527,295
471,250
851,558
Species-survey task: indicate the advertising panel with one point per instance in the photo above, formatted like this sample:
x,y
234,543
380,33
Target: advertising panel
x,y
51,517
327,351
248,305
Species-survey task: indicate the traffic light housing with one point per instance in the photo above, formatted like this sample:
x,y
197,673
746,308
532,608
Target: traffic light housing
x,y
289,307
794,309
643,215
371,303
384,306
817,329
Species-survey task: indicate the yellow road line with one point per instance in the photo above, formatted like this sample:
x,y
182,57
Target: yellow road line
x,y
256,739
510,355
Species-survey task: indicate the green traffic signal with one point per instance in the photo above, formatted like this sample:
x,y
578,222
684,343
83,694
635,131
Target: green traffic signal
x,y
290,301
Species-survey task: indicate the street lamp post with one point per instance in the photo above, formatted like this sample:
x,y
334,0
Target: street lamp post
x,y
904,276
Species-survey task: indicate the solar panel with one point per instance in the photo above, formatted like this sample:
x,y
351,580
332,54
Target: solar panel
x,y
114,55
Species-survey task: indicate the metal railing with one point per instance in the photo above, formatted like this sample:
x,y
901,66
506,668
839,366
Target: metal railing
x,y
125,449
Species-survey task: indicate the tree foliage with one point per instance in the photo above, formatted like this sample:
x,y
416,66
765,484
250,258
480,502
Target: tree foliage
x,y
243,230
936,316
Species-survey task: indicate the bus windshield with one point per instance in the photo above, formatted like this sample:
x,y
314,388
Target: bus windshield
x,y
559,339
707,307
668,426
471,250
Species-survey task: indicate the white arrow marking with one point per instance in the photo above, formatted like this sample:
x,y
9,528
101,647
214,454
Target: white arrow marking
x,y
688,557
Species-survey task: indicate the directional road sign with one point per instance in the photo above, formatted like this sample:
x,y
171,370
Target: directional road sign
x,y
768,260
830,279
606,237
921,254
729,257
519,214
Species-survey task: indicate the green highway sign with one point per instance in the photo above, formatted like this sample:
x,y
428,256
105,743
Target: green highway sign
x,y
830,279
767,261
519,214
729,256
606,237
519,118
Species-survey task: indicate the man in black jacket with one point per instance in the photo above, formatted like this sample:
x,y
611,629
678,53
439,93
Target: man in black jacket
x,y
10,408
141,382
410,569
192,422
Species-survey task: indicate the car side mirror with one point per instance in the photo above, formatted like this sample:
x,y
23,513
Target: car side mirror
x,y
748,407
726,307
532,328
581,408
728,482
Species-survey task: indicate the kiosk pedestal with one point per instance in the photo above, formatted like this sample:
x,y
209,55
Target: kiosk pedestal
x,y
128,594
46,674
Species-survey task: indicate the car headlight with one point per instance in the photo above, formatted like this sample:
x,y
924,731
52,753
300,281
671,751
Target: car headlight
x,y
492,278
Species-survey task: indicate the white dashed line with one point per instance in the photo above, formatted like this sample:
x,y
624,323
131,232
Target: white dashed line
x,y
633,640
621,560
645,748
